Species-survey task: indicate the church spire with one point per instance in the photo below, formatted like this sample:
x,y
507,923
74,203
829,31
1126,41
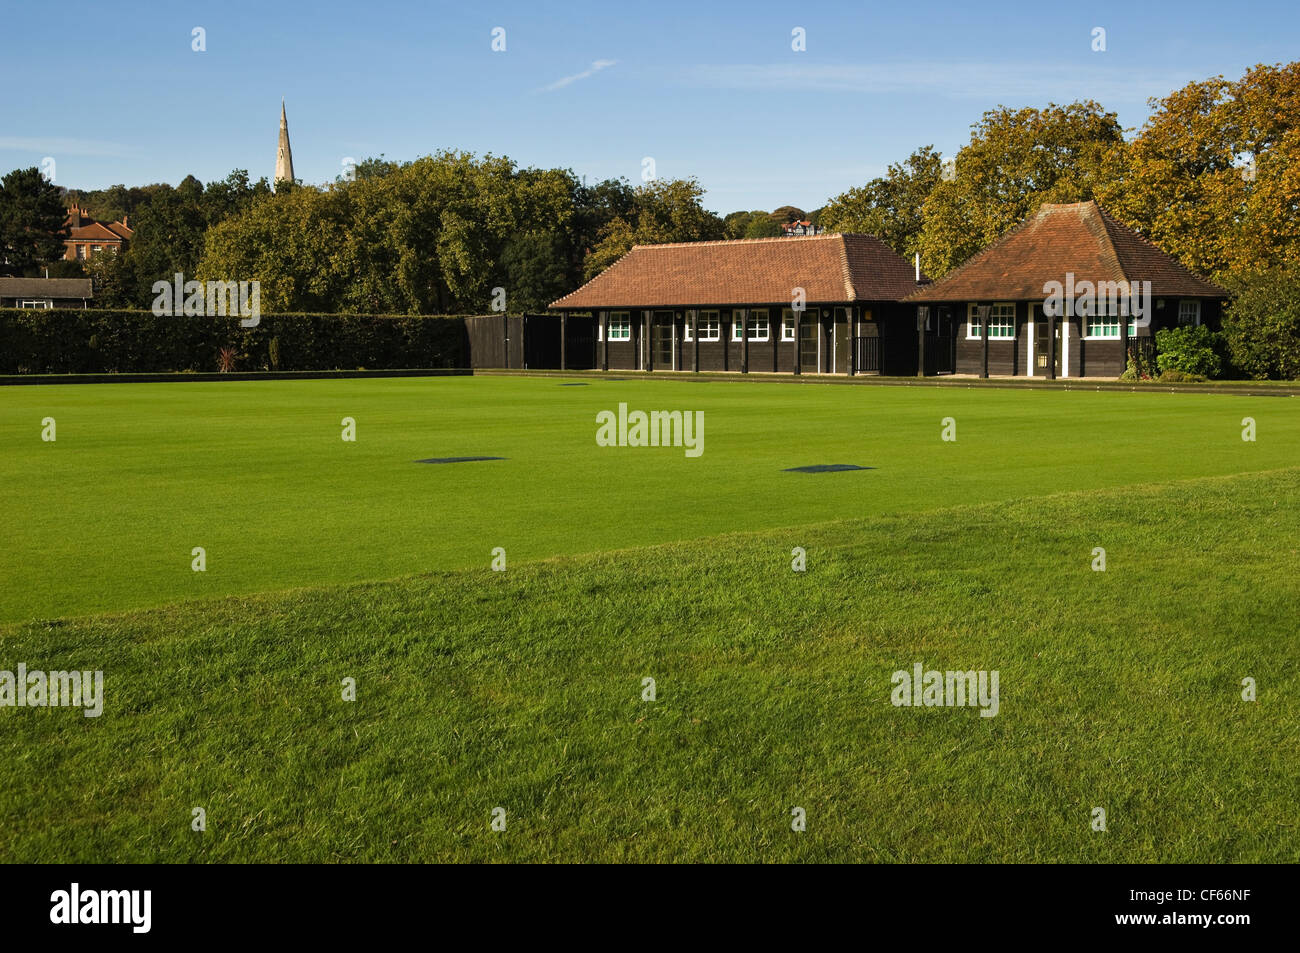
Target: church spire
x,y
283,155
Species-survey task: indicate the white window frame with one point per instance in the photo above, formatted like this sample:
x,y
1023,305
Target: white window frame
x,y
755,323
1195,314
710,327
1090,321
626,327
36,304
1000,309
787,324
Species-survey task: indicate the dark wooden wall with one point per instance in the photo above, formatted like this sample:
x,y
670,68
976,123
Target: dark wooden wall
x,y
1094,358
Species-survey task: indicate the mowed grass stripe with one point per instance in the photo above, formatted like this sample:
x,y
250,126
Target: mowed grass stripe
x,y
522,689
105,518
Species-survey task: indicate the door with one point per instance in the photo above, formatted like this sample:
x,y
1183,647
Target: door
x,y
841,339
869,349
1041,344
661,339
808,330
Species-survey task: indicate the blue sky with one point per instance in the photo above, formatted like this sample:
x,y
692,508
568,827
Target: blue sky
x,y
113,92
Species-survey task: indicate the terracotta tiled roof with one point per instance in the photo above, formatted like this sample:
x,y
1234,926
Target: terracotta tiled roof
x,y
93,232
46,288
829,267
1082,238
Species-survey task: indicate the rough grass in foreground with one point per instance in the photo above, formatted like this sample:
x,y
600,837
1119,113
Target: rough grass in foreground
x,y
522,690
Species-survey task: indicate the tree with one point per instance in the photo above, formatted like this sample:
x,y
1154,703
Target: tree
x,y
290,244
232,195
1214,175
169,231
735,223
31,222
1017,160
534,270
595,207
889,207
1262,325
436,235
664,211
762,226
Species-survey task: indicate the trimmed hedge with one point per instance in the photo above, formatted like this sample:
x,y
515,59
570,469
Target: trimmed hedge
x,y
99,341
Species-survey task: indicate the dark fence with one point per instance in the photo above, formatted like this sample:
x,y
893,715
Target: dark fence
x,y
495,340
867,358
531,341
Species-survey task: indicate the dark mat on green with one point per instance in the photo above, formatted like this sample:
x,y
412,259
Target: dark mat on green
x,y
457,459
826,468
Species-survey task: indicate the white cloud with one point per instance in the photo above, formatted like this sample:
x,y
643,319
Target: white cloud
x,y
56,146
592,70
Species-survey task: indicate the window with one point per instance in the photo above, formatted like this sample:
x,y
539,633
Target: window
x,y
81,252
1189,312
787,324
1002,321
620,326
758,329
39,304
1106,326
96,247
709,324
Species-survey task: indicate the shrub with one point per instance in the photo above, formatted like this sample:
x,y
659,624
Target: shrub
x,y
1172,376
97,341
1262,325
1192,350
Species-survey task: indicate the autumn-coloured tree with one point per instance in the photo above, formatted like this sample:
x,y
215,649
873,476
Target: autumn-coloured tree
x,y
1214,176
1017,160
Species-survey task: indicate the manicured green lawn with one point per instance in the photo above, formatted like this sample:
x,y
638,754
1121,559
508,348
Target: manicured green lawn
x,y
104,519
1118,689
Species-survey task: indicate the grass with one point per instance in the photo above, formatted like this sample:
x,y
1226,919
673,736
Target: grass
x,y
104,519
522,690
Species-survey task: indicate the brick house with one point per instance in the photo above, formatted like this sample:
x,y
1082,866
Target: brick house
x,y
88,236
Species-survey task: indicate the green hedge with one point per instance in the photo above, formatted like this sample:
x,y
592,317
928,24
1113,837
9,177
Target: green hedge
x,y
97,341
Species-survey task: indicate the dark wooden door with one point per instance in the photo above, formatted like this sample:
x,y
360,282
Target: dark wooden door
x,y
841,338
661,338
808,331
1041,345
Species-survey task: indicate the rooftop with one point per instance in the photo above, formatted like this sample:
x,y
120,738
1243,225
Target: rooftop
x,y
828,267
